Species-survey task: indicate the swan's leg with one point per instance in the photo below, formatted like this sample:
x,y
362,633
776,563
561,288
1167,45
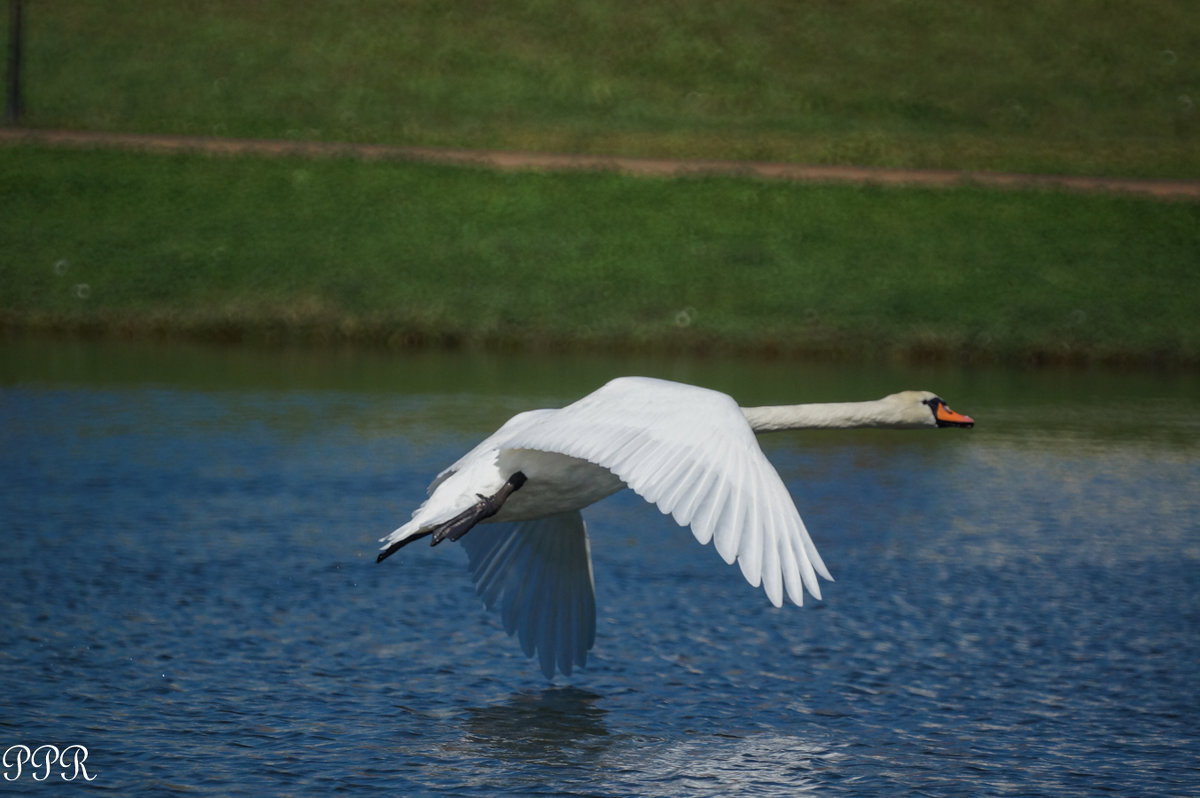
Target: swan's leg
x,y
458,526
486,507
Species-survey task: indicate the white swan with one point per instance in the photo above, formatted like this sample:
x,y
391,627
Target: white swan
x,y
689,450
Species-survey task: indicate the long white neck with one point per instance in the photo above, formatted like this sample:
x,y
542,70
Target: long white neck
x,y
837,415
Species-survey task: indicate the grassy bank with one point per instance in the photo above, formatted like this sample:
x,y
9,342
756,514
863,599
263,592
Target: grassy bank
x,y
1059,86
407,254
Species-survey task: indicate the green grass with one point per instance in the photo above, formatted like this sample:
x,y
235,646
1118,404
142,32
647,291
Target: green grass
x,y
1058,86
409,254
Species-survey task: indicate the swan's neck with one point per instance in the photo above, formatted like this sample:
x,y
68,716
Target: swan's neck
x,y
836,415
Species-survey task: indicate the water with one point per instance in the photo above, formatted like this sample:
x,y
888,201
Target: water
x,y
190,591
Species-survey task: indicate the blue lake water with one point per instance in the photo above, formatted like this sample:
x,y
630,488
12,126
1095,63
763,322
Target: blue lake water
x,y
190,591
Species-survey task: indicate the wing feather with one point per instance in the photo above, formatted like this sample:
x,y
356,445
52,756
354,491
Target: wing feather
x,y
772,569
529,622
791,569
750,549
708,515
693,493
691,452
537,575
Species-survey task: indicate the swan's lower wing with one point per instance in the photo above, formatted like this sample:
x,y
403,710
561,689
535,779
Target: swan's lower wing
x,y
538,576
691,452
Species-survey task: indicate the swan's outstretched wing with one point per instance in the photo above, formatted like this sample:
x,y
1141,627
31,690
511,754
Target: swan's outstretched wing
x,y
690,451
538,576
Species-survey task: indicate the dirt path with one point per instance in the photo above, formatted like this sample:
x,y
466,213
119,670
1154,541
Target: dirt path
x,y
662,167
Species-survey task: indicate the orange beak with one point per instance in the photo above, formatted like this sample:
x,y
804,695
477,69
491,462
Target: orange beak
x,y
948,418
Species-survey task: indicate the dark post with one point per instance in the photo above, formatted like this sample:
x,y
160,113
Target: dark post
x,y
12,108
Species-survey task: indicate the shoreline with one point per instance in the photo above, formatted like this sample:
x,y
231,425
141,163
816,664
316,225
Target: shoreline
x,y
394,335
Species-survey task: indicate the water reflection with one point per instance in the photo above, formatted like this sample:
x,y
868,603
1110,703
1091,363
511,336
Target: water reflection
x,y
543,738
538,727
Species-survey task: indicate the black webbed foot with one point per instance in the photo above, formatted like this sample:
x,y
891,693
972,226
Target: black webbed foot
x,y
459,525
486,507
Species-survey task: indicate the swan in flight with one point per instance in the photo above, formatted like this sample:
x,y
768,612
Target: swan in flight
x,y
691,451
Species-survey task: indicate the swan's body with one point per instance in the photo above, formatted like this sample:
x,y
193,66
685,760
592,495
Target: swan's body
x,y
689,450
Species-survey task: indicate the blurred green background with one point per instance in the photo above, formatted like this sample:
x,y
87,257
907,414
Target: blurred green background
x,y
1083,86
400,254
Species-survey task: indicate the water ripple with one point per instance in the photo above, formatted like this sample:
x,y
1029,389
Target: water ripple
x,y
190,592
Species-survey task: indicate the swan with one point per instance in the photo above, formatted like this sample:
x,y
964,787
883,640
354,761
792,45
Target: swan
x,y
689,450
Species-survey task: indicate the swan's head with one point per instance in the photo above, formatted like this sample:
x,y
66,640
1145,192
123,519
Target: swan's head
x,y
923,409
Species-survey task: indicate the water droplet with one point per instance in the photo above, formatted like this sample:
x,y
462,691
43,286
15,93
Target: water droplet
x,y
61,266
1168,56
82,290
684,317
